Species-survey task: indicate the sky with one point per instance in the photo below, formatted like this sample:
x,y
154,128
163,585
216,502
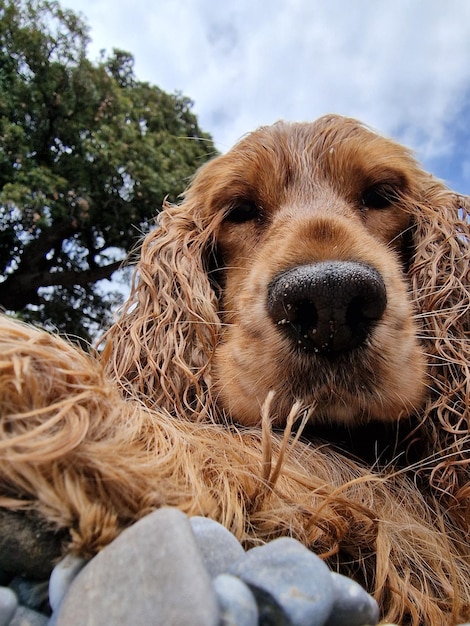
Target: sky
x,y
400,66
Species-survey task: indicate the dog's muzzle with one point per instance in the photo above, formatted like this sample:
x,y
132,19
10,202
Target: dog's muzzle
x,y
329,307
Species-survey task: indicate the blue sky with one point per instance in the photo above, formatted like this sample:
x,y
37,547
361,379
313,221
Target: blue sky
x,y
400,66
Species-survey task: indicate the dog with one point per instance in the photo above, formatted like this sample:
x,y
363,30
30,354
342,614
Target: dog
x,y
293,358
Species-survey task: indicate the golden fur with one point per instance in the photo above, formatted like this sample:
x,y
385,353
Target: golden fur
x,y
199,401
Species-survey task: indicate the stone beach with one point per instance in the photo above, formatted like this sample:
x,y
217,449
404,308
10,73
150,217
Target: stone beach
x,y
168,569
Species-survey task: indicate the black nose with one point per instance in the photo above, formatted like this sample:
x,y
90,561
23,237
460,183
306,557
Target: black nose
x,y
329,307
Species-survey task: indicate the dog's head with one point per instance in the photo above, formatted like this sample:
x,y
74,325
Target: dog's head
x,y
316,261
313,247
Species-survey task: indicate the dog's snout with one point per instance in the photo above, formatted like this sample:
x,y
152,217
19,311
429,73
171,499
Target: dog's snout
x,y
328,307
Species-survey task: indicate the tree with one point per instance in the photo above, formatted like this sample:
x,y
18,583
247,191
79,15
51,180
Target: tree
x,y
87,154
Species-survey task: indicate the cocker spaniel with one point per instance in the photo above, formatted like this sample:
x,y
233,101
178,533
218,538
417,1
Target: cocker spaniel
x,y
293,359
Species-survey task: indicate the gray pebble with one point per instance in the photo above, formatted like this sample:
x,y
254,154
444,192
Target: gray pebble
x,y
218,546
151,574
353,606
8,605
237,603
61,578
291,584
27,617
32,594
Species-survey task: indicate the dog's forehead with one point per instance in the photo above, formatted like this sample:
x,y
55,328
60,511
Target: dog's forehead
x,y
333,148
309,137
328,145
290,157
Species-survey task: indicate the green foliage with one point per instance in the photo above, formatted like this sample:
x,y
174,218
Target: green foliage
x,y
87,154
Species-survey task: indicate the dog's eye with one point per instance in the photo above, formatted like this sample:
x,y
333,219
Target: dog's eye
x,y
243,211
379,197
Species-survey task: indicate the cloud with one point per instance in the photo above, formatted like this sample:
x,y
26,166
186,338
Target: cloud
x,y
403,67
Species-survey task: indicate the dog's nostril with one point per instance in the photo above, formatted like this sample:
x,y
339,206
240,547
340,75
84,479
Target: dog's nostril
x,y
327,307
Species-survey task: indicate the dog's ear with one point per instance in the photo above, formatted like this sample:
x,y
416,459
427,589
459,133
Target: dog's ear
x,y
439,275
162,344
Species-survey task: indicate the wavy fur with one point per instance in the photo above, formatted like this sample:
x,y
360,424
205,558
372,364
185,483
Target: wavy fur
x,y
93,443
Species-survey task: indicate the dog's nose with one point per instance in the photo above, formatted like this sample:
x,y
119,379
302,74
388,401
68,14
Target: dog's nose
x,y
328,307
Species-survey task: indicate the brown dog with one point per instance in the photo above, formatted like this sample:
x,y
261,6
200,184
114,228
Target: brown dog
x,y
316,272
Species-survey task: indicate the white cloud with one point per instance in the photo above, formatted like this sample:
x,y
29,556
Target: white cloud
x,y
402,66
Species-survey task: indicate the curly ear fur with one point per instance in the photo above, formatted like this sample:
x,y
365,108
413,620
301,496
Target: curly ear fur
x,y
439,277
162,343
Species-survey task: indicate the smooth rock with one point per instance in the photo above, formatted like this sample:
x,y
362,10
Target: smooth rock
x,y
8,605
237,603
27,617
27,547
61,578
287,579
151,574
353,606
31,593
219,548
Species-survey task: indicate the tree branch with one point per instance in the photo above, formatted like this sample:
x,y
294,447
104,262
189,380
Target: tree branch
x,y
19,290
35,252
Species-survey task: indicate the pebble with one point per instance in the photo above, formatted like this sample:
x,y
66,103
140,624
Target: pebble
x,y
218,546
353,606
62,577
27,617
169,570
8,605
151,574
237,603
31,593
288,580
